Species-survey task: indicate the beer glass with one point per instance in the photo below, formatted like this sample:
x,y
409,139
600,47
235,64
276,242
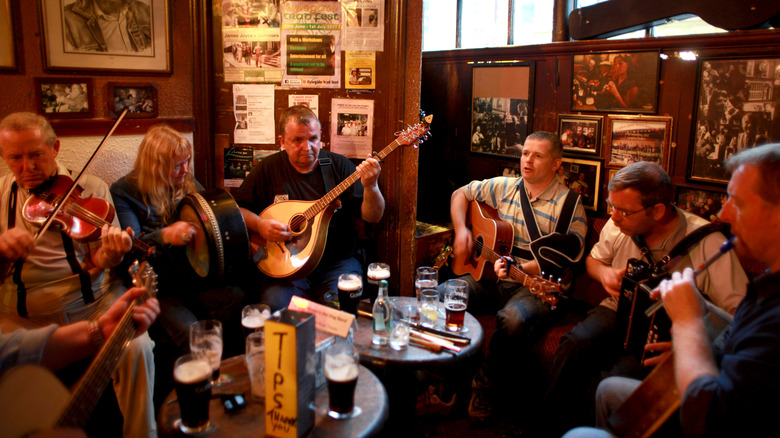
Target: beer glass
x,y
350,292
253,317
341,367
427,278
456,299
206,342
376,272
255,363
429,307
192,376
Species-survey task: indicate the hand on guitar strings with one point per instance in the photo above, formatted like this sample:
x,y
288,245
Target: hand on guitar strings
x,y
143,314
501,266
273,230
369,171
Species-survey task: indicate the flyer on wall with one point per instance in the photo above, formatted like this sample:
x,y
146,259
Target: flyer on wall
x,y
251,41
351,127
311,38
360,70
253,106
310,100
363,27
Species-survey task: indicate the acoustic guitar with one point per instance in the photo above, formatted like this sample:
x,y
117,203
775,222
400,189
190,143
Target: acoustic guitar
x,y
308,221
32,398
493,239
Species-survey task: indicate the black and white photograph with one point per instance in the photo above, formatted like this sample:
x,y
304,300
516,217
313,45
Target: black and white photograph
x,y
737,108
701,202
139,99
65,97
580,134
638,138
615,82
584,177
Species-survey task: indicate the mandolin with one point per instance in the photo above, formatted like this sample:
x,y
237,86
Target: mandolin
x,y
32,398
308,221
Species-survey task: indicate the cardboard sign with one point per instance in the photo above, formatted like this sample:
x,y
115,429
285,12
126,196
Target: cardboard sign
x,y
326,318
289,374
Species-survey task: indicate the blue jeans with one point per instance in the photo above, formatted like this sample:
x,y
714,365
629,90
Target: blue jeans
x,y
323,280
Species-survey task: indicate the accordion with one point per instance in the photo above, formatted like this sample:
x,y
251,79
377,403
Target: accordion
x,y
631,322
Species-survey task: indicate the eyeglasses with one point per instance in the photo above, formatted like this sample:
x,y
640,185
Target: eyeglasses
x,y
626,213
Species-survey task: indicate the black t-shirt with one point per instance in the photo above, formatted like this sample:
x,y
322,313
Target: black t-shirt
x,y
274,179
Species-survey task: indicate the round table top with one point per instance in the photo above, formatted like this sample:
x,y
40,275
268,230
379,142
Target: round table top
x,y
370,396
414,355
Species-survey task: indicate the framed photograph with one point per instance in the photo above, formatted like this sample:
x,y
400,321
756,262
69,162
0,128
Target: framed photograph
x,y
501,108
584,177
580,134
638,138
140,99
615,82
63,98
610,174
509,171
737,104
701,202
77,47
7,42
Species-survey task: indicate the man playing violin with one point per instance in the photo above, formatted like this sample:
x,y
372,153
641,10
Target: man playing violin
x,y
56,279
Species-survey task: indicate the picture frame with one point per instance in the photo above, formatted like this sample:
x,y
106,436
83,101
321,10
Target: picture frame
x,y
502,108
509,171
65,98
736,108
584,177
580,134
704,203
610,174
139,97
64,51
8,56
638,138
616,82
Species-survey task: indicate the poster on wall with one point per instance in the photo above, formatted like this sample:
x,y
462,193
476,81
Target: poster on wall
x,y
311,37
360,71
251,42
351,127
253,106
363,27
309,100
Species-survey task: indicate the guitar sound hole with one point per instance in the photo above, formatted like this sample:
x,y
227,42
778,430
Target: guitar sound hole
x,y
298,224
478,247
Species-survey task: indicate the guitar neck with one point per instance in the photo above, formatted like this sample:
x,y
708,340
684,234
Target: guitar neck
x,y
331,196
89,390
490,255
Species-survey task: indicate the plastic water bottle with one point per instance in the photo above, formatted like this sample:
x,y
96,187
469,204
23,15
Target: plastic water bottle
x,y
382,316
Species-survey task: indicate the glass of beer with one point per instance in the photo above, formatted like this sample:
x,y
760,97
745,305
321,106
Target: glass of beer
x,y
427,278
253,317
350,292
456,299
192,375
255,363
376,272
341,366
206,342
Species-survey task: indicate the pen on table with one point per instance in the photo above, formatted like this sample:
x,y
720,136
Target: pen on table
x,y
726,247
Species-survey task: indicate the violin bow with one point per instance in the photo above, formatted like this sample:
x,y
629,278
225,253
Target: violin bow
x,y
61,204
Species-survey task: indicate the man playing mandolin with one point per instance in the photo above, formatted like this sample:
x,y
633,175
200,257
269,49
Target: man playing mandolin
x,y
640,196
522,316
302,171
56,279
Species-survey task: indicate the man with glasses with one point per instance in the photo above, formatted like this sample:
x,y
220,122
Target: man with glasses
x,y
640,196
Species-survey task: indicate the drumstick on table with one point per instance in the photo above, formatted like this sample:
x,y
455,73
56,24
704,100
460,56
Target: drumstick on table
x,y
726,247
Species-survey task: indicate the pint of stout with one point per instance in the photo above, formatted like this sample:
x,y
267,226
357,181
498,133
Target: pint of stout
x,y
193,390
341,372
350,292
456,299
253,317
376,272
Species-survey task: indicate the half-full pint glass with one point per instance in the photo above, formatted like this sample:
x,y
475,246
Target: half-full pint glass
x,y
192,375
350,292
456,299
341,372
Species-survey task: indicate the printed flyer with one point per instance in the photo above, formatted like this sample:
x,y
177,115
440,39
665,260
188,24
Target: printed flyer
x,y
363,27
351,127
311,36
251,42
360,70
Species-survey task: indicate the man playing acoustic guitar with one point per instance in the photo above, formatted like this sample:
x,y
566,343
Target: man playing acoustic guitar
x,y
303,171
640,195
727,391
546,240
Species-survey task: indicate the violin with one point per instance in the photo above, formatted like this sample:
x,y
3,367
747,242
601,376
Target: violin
x,y
81,218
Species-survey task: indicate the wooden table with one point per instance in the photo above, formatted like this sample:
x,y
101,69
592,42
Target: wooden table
x,y
370,395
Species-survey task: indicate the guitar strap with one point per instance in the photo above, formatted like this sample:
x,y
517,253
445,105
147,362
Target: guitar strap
x,y
557,250
70,254
326,167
